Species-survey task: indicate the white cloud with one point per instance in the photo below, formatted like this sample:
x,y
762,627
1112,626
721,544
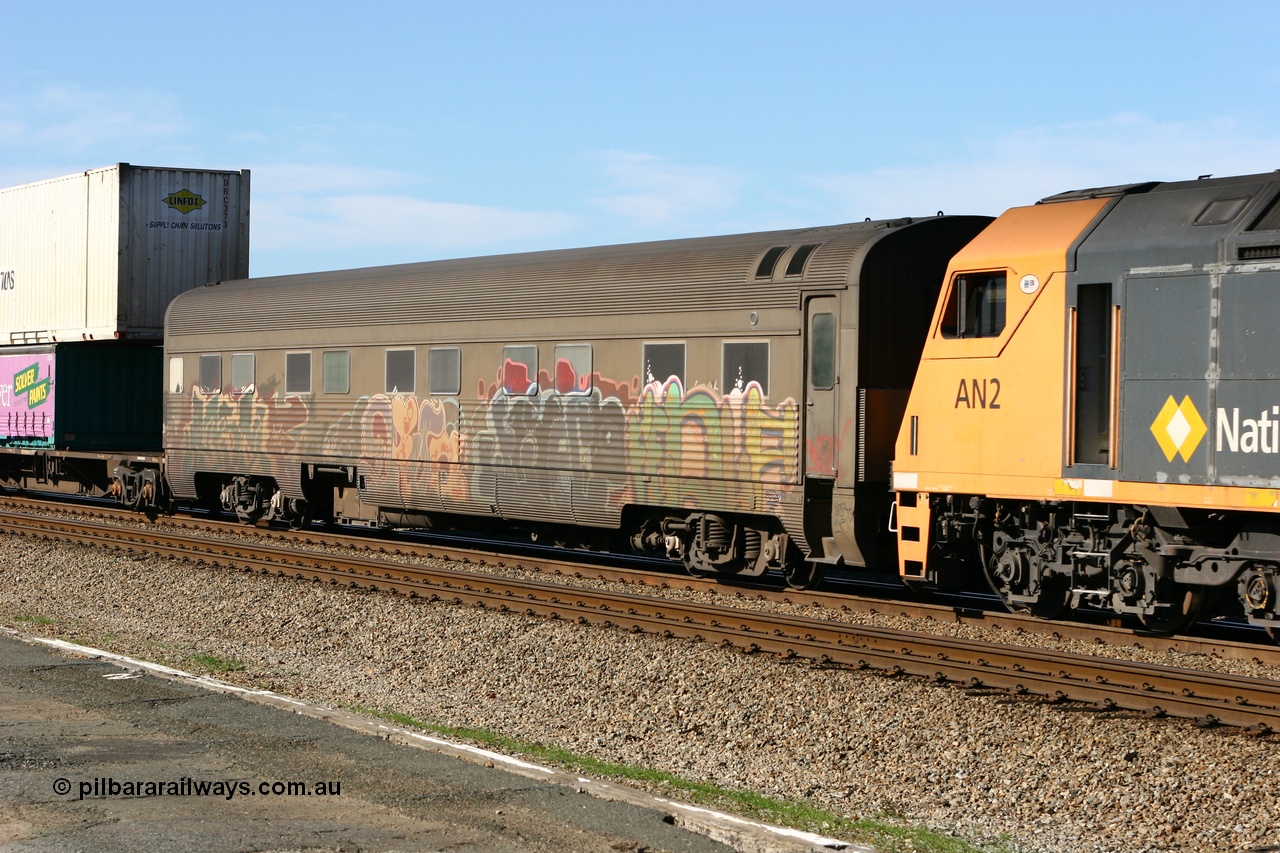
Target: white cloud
x,y
651,191
1021,166
306,179
71,120
323,209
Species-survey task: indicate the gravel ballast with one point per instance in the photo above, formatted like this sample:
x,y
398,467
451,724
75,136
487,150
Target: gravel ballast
x,y
978,765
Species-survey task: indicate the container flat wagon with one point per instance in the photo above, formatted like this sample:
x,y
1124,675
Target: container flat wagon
x,y
88,265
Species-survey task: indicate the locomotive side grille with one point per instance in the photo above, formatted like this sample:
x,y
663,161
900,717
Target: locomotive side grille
x,y
1258,253
862,431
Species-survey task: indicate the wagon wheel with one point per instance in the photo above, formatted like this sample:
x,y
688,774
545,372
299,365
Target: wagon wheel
x,y
1171,620
803,574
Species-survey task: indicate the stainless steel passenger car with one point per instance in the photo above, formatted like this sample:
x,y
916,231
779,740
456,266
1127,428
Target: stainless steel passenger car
x,y
730,401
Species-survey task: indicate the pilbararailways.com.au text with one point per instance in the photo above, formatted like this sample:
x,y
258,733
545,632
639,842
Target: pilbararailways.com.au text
x,y
187,787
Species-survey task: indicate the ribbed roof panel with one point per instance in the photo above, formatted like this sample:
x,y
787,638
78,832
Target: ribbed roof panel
x,y
706,273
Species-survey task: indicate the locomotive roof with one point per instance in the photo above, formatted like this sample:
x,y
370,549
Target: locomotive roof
x,y
663,276
1206,221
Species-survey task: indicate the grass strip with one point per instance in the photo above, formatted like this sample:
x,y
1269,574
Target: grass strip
x,y
794,813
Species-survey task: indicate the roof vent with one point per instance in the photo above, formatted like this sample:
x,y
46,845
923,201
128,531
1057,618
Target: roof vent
x,y
769,261
796,265
1221,211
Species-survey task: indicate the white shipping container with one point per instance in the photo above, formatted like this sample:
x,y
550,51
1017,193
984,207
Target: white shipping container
x,y
100,254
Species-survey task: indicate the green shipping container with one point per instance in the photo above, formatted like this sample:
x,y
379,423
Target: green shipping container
x,y
91,397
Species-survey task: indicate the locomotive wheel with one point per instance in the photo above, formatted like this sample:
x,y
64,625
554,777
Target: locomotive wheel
x,y
1171,620
803,574
1054,601
1009,574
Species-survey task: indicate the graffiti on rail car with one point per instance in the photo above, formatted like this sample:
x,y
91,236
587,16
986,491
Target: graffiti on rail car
x,y
437,451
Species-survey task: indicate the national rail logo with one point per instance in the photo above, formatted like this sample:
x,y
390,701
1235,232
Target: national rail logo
x,y
184,200
1178,428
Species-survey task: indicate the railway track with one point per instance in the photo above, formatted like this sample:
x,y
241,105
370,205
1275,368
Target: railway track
x,y
585,566
1206,698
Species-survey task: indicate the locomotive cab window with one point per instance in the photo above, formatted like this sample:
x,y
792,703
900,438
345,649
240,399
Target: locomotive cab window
x,y
297,373
663,362
975,306
400,376
211,374
337,372
175,375
242,373
444,371
573,369
520,370
746,362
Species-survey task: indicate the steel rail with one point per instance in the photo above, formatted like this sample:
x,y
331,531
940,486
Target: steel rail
x,y
1102,634
1207,698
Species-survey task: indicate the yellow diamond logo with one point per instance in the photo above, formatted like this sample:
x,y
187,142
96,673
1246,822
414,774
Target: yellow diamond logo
x,y
184,200
1178,429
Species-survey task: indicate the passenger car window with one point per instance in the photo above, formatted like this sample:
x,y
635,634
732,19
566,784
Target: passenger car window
x,y
297,373
822,352
211,374
242,373
400,371
975,306
663,362
573,369
520,370
337,372
175,375
746,362
444,371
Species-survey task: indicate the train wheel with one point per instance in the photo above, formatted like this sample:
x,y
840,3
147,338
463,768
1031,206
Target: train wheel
x,y
804,574
1010,576
1054,601
1171,620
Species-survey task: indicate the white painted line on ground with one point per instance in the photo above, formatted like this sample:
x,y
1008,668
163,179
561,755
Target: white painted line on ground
x,y
740,833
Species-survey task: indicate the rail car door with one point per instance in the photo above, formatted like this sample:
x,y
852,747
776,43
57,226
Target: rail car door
x,y
821,433
822,437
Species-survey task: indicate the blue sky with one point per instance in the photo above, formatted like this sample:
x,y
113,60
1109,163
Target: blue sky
x,y
392,132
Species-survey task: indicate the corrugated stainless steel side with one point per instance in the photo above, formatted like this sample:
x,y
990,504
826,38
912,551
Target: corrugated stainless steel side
x,y
100,254
171,249
708,273
43,229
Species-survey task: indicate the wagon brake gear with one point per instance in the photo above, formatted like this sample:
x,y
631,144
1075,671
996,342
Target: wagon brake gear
x,y
138,490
